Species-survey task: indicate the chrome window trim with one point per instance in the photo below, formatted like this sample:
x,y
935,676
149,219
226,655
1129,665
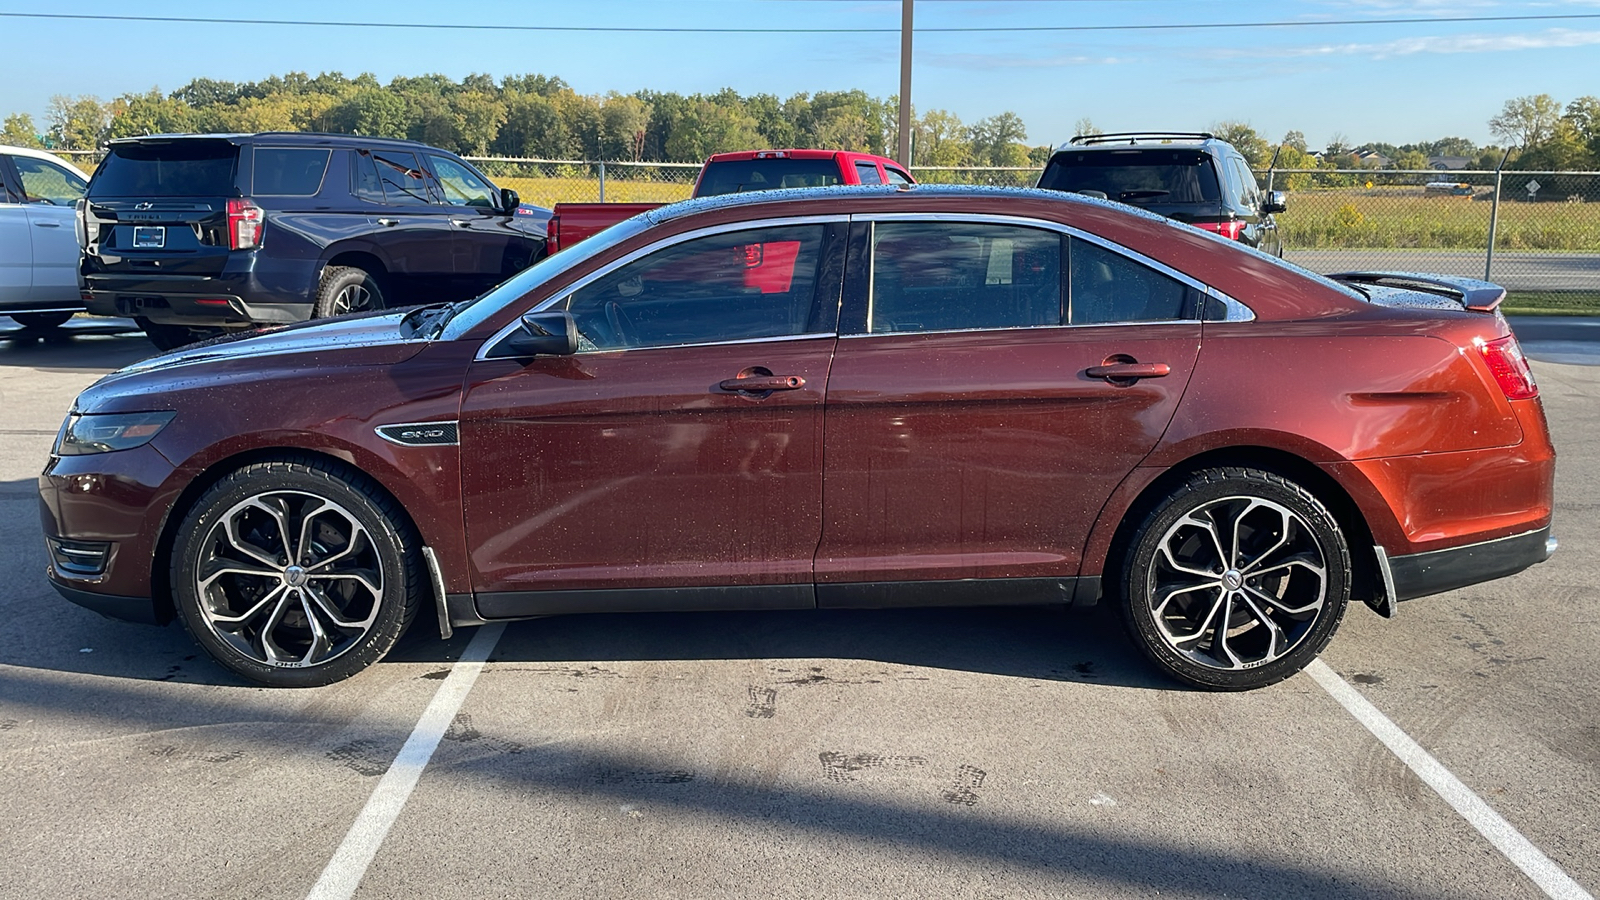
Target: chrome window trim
x,y
708,231
1235,311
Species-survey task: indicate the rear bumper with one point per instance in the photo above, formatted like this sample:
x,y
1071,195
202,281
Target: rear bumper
x,y
1421,574
250,290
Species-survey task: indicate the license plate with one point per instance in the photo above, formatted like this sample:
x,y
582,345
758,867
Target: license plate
x,y
149,237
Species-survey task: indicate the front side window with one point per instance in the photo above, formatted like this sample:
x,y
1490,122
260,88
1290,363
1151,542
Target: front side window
x,y
951,276
896,176
1107,287
289,171
44,182
460,185
1250,194
742,285
402,181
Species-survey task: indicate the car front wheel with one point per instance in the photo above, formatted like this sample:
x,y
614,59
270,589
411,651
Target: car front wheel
x,y
1236,580
295,573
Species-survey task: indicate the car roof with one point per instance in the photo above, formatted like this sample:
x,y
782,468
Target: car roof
x,y
1124,140
798,153
308,138
40,154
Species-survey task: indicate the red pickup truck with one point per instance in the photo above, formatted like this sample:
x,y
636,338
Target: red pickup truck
x,y
729,173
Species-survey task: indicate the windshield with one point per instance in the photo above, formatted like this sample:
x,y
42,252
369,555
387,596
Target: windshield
x,y
186,168
470,313
1140,177
735,176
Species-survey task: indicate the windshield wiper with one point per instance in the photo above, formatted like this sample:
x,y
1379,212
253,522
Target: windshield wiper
x,y
422,319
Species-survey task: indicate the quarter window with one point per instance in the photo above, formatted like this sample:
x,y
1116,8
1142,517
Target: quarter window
x,y
1108,287
289,172
949,276
743,285
896,176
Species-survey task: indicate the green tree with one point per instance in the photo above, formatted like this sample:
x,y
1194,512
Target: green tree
x,y
623,121
1297,141
940,140
376,112
19,131
479,116
1085,127
774,123
1257,152
1584,114
1527,121
707,128
996,140
77,123
203,92
1410,159
149,113
534,128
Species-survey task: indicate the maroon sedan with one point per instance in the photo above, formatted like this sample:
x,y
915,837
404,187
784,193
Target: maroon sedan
x,y
851,398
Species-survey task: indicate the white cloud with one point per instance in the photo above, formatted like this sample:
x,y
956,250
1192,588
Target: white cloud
x,y
1013,61
1435,44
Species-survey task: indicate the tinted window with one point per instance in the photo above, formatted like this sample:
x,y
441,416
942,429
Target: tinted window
x,y
767,174
368,185
896,176
1145,177
738,286
177,169
1250,194
867,173
294,172
44,181
939,276
404,182
462,186
1110,287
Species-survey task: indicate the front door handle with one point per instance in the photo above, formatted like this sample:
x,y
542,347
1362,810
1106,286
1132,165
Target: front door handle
x,y
389,223
1129,371
464,223
48,224
761,384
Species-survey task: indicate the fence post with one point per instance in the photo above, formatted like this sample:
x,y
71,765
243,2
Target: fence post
x,y
602,182
1494,216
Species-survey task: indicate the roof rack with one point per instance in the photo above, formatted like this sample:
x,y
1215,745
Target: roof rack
x,y
1131,137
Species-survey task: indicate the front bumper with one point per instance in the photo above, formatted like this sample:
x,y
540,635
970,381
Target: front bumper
x,y
1421,574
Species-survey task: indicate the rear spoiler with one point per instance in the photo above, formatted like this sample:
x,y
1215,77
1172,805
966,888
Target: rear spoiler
x,y
1479,296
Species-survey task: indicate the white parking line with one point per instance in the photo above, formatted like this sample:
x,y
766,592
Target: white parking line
x,y
343,873
1530,859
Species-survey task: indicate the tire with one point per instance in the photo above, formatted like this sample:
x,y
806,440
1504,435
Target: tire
x,y
307,610
1236,580
346,290
43,321
171,337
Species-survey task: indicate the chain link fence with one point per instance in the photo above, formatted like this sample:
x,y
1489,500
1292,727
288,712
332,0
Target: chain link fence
x,y
546,182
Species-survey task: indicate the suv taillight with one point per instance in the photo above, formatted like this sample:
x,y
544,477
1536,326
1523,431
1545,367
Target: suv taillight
x,y
244,225
1230,229
1509,368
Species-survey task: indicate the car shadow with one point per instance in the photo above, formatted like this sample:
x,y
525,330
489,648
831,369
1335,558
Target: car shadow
x,y
83,344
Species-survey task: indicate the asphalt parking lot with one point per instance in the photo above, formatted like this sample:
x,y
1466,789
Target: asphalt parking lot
x,y
910,753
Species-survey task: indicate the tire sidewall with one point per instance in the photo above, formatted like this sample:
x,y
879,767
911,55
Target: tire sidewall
x,y
392,549
335,279
1206,487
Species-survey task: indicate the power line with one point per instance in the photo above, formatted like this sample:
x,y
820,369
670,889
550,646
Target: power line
x,y
644,29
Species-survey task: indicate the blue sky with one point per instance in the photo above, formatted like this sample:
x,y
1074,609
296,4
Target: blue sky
x,y
1365,82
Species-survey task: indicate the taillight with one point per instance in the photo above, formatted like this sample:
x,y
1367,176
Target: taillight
x,y
552,234
1509,368
244,225
1230,229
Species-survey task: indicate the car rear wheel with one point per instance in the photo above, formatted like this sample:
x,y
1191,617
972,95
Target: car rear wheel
x,y
296,574
347,290
41,321
1236,580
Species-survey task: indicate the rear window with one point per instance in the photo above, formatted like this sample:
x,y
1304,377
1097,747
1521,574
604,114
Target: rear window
x,y
1153,177
767,174
175,169
289,172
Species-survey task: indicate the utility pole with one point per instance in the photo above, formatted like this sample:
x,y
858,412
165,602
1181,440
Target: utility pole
x,y
904,151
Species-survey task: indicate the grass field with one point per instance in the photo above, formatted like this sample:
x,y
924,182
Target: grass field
x,y
550,191
1405,218
1551,303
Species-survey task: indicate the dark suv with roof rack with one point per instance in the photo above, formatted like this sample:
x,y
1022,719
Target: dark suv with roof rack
x,y
195,234
1191,177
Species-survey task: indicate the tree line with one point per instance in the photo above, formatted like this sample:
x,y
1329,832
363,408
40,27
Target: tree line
x,y
542,117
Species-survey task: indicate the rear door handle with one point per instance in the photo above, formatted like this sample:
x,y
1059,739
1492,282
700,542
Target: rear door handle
x,y
464,223
1129,371
760,384
389,222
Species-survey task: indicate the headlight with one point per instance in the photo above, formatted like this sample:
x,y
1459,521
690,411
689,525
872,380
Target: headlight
x,y
83,434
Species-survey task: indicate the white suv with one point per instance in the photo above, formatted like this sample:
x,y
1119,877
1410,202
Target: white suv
x,y
38,239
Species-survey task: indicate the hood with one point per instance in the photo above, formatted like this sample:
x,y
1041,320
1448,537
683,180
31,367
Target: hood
x,y
368,339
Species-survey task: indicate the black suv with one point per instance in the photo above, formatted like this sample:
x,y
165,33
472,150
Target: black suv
x,y
193,234
1194,178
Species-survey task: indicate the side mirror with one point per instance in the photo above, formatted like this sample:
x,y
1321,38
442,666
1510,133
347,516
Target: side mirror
x,y
509,201
551,333
1276,202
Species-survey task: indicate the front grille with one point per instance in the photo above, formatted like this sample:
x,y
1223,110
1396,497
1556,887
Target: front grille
x,y
78,559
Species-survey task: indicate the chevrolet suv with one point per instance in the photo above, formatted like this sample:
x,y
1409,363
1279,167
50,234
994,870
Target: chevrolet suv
x,y
196,234
1195,178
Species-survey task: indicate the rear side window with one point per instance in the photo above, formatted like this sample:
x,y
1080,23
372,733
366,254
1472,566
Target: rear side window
x,y
867,173
391,176
169,169
950,276
1143,177
1108,287
734,176
896,176
289,171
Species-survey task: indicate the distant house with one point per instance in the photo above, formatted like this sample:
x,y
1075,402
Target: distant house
x,y
1449,163
1371,159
